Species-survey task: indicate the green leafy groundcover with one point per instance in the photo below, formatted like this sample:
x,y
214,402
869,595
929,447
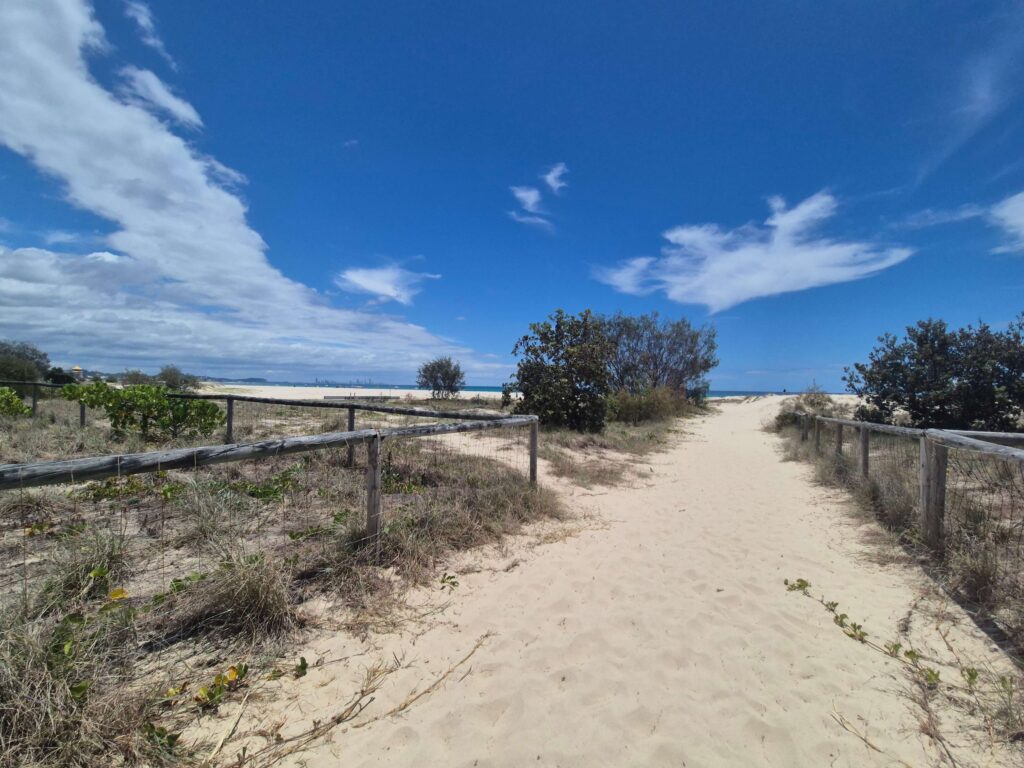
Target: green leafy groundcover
x,y
148,410
11,403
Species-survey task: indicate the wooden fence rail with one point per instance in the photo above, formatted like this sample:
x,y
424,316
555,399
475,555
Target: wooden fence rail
x,y
934,445
18,476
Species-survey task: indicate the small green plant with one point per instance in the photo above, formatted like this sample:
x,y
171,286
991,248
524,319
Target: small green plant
x,y
271,489
300,669
11,403
161,738
801,585
209,697
111,489
449,582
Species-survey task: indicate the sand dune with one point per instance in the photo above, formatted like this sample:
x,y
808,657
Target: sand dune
x,y
659,635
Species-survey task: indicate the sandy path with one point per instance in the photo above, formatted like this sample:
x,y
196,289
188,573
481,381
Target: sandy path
x,y
663,637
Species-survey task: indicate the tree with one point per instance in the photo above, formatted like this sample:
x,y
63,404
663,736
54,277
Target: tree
x,y
21,361
172,377
134,377
562,374
59,376
650,353
971,378
442,376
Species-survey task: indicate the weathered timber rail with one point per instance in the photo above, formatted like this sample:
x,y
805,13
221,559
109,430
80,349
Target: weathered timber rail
x,y
31,475
934,447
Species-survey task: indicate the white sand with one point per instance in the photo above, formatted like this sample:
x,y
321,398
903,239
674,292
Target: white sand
x,y
660,635
319,393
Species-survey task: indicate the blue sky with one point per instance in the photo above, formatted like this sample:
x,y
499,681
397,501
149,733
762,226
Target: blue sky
x,y
347,189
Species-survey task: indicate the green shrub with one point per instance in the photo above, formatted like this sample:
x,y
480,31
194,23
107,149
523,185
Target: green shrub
x,y
562,374
970,378
148,410
11,403
812,402
655,404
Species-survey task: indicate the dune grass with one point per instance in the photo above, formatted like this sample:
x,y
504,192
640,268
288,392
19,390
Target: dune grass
x,y
123,602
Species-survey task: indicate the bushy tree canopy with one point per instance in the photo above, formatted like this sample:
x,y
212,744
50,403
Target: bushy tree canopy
x,y
442,376
971,378
649,352
172,377
562,375
21,361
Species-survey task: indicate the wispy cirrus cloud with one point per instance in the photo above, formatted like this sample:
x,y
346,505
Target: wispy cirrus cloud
x,y
704,264
1006,215
932,217
391,283
151,91
140,13
183,277
553,177
980,89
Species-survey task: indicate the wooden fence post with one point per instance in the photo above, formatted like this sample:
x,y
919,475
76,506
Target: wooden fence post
x,y
817,434
865,449
534,428
229,435
839,439
373,492
35,399
351,428
81,415
804,427
934,458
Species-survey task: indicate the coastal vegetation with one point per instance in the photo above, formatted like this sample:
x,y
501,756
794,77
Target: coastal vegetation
x,y
141,605
146,410
580,371
443,376
936,377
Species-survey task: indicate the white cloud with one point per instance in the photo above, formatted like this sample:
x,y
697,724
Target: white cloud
x,y
980,90
140,13
930,217
391,283
184,278
150,89
1009,215
528,197
553,178
703,264
531,221
60,237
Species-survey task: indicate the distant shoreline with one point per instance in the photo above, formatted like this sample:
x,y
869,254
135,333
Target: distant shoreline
x,y
318,392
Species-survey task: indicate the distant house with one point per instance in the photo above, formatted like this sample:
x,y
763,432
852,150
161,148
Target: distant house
x,y
78,373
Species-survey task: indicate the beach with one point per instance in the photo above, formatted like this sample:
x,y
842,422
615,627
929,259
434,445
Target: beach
x,y
653,628
286,392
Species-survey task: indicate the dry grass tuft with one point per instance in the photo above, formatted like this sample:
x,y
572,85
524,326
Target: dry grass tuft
x,y
67,696
246,598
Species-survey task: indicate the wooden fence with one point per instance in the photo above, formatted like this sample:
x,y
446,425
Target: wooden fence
x,y
933,459
36,474
34,388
